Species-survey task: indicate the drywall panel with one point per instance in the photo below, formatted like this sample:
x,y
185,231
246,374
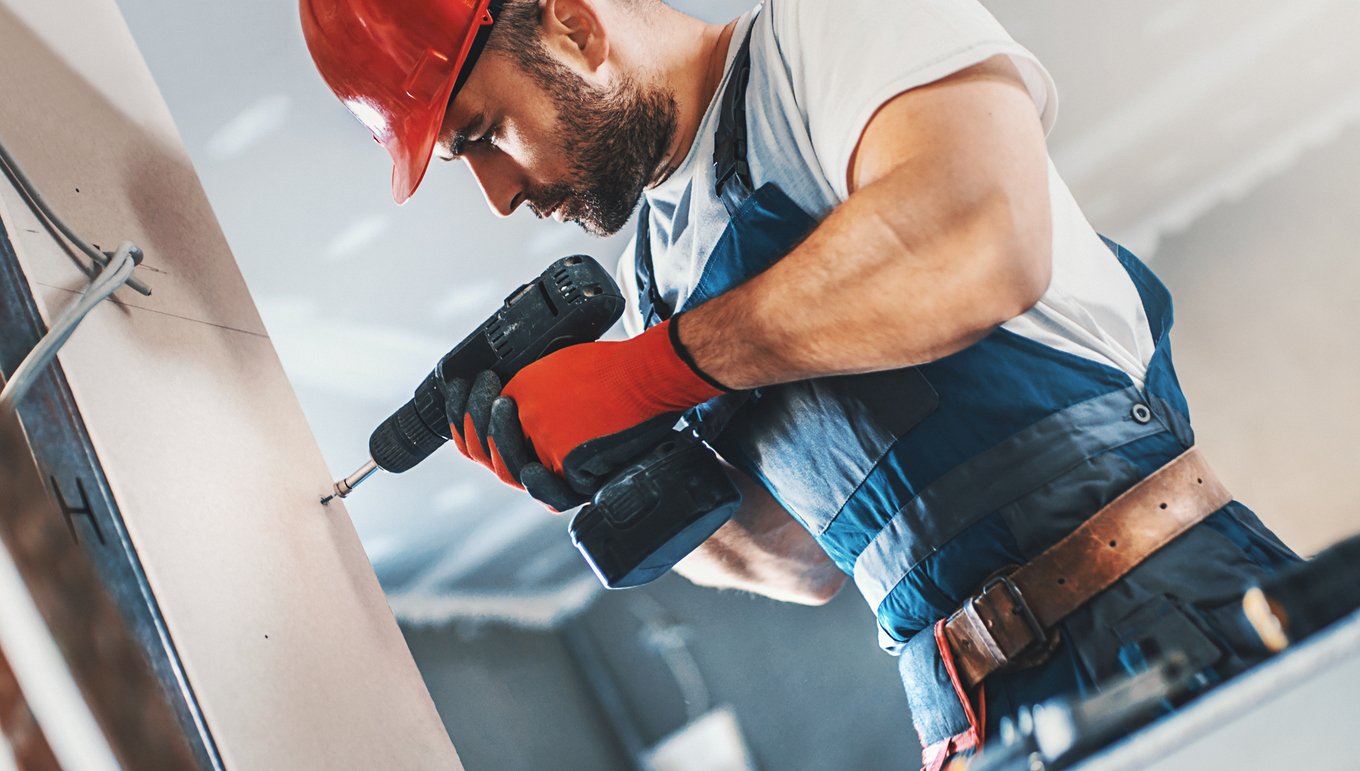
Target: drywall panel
x,y
282,628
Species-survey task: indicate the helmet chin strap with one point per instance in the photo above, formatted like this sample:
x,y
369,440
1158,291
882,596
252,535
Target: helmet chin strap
x,y
488,20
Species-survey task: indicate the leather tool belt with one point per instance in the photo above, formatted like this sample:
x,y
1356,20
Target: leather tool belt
x,y
1010,621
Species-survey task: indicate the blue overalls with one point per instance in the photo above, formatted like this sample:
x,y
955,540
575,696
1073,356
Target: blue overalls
x,y
921,482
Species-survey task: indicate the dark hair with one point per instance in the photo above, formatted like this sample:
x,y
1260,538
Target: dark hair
x,y
518,33
615,137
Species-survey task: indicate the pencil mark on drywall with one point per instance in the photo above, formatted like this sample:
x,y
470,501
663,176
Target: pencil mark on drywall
x,y
160,312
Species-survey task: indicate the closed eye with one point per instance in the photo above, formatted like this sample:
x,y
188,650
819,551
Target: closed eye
x,y
461,141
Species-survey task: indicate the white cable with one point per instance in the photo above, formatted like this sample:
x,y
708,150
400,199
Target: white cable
x,y
110,278
45,681
44,210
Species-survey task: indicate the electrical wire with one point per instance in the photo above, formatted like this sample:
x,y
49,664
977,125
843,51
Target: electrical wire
x,y
112,276
35,199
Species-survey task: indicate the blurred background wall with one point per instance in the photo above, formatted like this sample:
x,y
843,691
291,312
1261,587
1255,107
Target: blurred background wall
x,y
1215,138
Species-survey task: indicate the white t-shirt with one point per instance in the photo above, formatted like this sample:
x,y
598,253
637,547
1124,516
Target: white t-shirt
x,y
820,69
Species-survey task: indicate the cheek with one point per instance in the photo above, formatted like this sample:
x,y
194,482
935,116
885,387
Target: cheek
x,y
538,148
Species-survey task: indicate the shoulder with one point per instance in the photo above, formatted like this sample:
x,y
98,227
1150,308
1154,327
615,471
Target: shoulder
x,y
846,58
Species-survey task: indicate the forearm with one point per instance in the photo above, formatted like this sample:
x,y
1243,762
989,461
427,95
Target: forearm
x,y
765,551
948,238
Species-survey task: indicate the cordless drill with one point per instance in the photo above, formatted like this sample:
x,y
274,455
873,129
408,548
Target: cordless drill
x,y
657,508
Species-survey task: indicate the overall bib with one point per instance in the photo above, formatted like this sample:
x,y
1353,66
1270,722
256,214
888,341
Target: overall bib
x,y
921,482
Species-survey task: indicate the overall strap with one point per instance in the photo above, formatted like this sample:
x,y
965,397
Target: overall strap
x,y
731,173
653,307
733,181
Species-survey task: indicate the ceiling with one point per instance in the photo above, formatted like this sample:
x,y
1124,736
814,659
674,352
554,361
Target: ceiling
x,y
1167,108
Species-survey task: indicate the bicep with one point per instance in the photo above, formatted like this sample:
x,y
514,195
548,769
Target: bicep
x,y
978,121
960,167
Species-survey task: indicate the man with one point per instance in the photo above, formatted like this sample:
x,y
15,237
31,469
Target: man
x,y
857,268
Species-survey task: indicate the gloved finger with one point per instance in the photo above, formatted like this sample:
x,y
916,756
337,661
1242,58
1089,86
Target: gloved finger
x,y
473,446
490,457
485,388
508,436
590,463
549,488
498,466
455,392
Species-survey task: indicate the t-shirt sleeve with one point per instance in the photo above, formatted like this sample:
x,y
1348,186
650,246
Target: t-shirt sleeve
x,y
846,58
626,276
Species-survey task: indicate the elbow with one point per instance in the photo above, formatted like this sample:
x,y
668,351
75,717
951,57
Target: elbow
x,y
1032,274
817,585
1021,267
822,590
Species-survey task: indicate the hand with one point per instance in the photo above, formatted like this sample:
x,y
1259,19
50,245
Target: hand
x,y
586,409
469,405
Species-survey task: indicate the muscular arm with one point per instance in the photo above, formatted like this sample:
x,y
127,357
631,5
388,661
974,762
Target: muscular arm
x,y
946,234
763,550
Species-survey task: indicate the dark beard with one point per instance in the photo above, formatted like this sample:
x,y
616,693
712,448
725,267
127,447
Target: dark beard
x,y
616,140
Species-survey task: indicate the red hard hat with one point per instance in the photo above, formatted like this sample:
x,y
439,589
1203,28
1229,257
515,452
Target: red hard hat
x,y
396,64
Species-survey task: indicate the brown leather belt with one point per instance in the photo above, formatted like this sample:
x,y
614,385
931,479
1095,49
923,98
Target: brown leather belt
x,y
1013,615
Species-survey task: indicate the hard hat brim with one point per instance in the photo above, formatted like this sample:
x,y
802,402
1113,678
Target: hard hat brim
x,y
412,146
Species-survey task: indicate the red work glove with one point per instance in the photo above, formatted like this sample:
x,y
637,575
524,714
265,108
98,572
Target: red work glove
x,y
587,408
471,433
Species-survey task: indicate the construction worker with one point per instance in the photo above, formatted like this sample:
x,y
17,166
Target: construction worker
x,y
856,266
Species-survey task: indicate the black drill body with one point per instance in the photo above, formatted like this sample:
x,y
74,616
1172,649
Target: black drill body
x,y
656,509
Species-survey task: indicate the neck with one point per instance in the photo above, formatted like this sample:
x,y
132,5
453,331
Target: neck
x,y
687,57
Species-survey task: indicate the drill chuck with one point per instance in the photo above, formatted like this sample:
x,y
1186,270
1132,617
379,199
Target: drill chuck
x,y
416,429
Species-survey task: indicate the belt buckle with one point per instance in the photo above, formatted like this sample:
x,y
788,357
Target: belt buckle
x,y
982,651
1018,601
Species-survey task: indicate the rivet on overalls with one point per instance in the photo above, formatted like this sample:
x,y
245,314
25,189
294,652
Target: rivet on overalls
x,y
1141,413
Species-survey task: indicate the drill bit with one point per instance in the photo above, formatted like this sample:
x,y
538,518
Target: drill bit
x,y
347,485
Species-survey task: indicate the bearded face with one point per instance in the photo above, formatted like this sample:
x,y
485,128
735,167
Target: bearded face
x,y
615,140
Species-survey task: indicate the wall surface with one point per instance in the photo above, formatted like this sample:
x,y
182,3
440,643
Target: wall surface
x,y
282,628
1267,343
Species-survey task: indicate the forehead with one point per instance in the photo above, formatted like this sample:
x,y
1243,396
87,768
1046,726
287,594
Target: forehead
x,y
496,89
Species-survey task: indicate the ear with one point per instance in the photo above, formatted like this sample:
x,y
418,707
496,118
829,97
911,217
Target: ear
x,y
575,32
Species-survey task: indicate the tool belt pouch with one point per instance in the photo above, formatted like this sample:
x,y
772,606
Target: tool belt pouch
x,y
1011,622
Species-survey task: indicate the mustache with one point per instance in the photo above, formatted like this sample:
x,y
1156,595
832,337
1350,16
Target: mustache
x,y
543,201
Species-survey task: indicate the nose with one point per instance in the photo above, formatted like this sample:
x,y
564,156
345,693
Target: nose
x,y
502,182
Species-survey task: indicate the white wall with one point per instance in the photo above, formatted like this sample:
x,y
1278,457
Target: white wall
x,y
1267,343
